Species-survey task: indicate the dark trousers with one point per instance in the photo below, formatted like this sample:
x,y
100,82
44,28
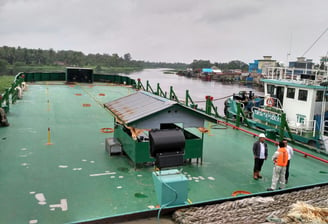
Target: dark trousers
x,y
258,163
287,170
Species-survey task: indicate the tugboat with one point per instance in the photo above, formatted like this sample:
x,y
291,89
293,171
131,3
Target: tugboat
x,y
294,105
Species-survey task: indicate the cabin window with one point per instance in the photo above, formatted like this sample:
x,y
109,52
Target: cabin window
x,y
302,95
271,90
319,96
291,93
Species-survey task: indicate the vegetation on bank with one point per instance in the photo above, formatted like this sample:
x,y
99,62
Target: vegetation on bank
x,y
14,60
5,82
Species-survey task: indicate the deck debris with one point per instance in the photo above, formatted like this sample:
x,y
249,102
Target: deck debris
x,y
40,197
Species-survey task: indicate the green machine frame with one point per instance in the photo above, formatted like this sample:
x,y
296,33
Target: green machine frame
x,y
138,151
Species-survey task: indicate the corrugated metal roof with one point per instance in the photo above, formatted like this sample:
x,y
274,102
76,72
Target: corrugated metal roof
x,y
137,105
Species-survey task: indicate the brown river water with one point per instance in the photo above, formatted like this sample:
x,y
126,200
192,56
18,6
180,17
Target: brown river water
x,y
198,88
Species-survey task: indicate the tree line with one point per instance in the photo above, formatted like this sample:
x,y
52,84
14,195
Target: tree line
x,y
12,57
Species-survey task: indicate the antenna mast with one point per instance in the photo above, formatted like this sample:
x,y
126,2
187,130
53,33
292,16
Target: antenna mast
x,y
315,42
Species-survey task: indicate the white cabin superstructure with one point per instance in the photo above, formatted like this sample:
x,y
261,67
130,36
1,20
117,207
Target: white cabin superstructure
x,y
300,94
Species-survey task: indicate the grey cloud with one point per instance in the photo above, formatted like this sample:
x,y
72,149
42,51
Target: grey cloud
x,y
217,30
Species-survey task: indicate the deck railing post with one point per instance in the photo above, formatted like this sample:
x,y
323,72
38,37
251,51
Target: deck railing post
x,y
158,90
238,114
187,97
208,104
147,86
173,96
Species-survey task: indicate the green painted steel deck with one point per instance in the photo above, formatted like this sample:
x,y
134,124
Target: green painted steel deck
x,y
38,179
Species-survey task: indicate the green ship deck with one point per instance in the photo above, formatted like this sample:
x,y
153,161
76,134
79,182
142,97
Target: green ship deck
x,y
74,179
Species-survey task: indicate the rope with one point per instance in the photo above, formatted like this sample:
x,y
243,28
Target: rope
x,y
222,98
251,210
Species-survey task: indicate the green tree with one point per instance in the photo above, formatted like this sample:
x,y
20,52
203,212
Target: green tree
x,y
3,66
127,57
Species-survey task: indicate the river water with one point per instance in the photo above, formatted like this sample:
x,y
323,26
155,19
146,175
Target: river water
x,y
198,88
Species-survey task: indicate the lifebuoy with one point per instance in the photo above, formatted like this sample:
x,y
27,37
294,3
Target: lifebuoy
x,y
270,102
107,130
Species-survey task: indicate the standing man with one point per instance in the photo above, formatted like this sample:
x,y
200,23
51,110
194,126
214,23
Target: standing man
x,y
290,152
260,152
280,159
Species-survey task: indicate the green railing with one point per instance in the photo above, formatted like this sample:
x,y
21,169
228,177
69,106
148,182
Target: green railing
x,y
210,109
11,94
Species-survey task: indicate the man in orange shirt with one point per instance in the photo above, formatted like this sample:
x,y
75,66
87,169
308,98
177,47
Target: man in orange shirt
x,y
280,159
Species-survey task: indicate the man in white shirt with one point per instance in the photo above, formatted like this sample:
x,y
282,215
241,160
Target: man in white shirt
x,y
290,155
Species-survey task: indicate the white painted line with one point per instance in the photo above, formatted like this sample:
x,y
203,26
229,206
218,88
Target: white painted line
x,y
101,174
62,205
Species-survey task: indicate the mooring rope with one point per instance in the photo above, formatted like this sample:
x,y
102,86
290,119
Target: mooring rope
x,y
222,98
251,210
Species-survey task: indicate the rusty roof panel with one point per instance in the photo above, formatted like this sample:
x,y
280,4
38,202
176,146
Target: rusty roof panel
x,y
137,105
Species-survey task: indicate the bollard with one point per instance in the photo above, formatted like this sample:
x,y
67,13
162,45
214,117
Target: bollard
x,y
49,138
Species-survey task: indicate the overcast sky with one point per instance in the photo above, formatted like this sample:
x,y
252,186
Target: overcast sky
x,y
169,30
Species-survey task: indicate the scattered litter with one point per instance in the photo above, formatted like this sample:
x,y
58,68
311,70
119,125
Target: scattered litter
x,y
151,206
77,169
196,180
40,197
211,178
33,221
62,166
92,161
23,149
139,175
84,160
32,192
121,177
119,187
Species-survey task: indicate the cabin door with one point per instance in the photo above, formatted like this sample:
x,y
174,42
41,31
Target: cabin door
x,y
280,94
